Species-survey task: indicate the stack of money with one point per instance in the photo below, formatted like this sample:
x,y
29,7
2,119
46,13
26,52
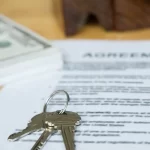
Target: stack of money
x,y
24,53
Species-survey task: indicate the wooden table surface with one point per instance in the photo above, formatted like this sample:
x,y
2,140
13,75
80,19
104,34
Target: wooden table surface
x,y
1,88
45,18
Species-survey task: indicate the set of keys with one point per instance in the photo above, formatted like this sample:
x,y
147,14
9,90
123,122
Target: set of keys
x,y
50,123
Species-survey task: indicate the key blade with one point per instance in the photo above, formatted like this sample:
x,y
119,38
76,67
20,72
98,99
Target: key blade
x,y
43,138
68,137
35,124
23,133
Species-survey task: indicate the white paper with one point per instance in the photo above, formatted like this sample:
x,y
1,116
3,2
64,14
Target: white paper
x,y
25,71
104,55
113,104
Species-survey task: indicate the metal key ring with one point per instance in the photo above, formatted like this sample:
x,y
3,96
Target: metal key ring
x,y
51,97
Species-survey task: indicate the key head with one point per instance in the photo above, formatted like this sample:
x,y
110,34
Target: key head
x,y
37,120
68,118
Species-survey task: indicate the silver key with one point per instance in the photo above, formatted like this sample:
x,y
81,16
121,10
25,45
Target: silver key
x,y
43,138
51,122
65,123
54,122
36,124
68,128
68,137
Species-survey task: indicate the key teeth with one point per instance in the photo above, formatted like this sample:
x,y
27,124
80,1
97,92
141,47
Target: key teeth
x,y
14,137
40,146
78,123
11,138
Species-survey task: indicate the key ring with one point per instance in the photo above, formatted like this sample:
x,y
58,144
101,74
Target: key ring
x,y
51,97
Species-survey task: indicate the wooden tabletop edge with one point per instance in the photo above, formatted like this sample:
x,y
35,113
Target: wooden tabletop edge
x,y
1,87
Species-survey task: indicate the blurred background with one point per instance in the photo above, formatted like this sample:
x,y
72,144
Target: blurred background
x,y
46,18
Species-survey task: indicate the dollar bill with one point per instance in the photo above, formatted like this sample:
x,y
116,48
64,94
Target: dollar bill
x,y
22,48
17,40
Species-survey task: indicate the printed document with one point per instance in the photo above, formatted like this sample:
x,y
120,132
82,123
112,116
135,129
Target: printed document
x,y
112,99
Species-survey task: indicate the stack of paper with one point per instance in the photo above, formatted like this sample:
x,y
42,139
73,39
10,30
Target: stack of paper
x,y
24,53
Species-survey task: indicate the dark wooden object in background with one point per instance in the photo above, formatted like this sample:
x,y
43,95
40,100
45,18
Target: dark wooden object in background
x,y
120,15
